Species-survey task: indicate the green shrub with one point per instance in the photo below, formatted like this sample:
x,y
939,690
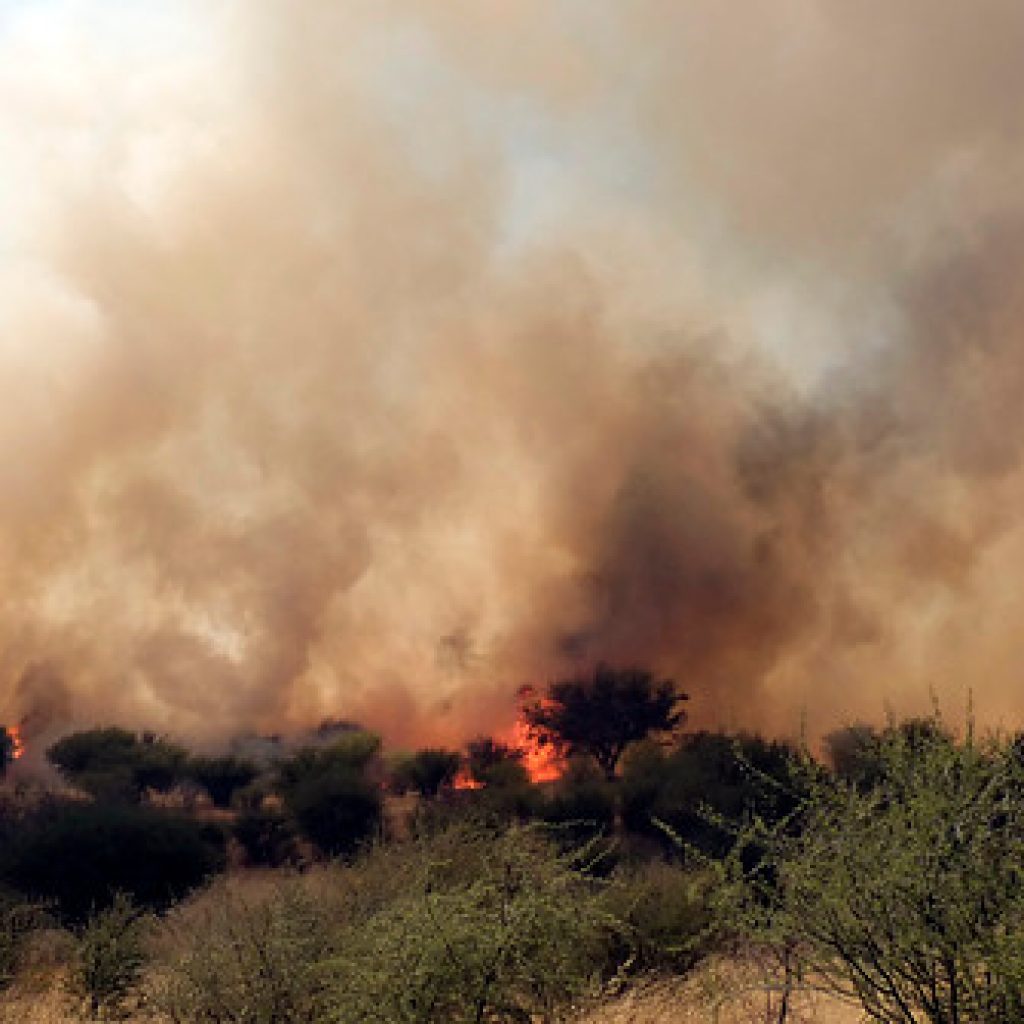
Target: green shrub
x,y
427,771
339,811
109,959
582,803
503,930
78,856
907,895
706,789
666,914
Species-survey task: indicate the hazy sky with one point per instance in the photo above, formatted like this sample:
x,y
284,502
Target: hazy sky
x,y
368,359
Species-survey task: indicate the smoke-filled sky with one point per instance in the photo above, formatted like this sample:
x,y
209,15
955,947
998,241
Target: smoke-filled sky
x,y
369,358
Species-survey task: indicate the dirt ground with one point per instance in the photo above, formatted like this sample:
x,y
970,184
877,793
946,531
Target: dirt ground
x,y
716,994
719,994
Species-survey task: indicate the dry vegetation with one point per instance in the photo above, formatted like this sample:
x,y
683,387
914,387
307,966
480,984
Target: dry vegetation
x,y
719,993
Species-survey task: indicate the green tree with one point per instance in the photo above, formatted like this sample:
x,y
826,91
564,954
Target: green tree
x,y
708,788
355,752
78,856
427,771
491,762
116,764
905,897
602,714
331,793
221,776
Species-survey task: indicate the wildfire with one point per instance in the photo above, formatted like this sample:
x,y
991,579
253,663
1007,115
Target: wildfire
x,y
14,731
542,763
466,781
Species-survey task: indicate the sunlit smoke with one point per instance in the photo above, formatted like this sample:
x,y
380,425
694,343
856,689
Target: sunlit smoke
x,y
370,360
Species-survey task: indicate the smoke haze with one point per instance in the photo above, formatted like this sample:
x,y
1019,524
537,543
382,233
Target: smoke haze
x,y
367,360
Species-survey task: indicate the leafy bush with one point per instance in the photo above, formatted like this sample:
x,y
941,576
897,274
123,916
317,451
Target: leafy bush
x,y
109,959
339,811
78,856
582,802
707,788
427,771
905,896
506,929
666,914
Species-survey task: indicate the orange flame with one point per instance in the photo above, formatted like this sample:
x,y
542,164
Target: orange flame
x,y
14,731
542,763
466,781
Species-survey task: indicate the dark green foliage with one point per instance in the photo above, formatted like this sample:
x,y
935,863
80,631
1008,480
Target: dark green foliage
x,y
7,749
907,895
853,753
331,794
499,929
708,787
490,761
109,959
665,912
267,836
858,752
338,810
115,764
78,856
427,771
602,714
352,754
582,802
222,776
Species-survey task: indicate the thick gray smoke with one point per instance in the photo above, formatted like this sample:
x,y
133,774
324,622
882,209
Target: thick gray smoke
x,y
367,360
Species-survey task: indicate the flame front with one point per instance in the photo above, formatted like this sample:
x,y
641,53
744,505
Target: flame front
x,y
18,744
542,763
464,780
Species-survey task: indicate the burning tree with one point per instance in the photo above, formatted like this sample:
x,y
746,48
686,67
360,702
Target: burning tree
x,y
602,714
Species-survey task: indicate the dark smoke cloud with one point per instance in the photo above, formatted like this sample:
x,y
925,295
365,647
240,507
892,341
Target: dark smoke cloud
x,y
368,360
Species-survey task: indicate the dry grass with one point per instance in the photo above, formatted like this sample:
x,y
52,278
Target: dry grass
x,y
721,993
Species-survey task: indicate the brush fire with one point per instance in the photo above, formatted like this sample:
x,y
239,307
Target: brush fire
x,y
388,339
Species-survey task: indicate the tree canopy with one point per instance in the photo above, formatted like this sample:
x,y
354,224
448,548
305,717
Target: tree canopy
x,y
114,763
601,714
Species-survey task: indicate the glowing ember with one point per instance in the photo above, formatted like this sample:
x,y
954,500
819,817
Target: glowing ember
x,y
14,731
466,781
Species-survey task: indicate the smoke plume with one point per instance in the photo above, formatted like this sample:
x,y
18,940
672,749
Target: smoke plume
x,y
368,360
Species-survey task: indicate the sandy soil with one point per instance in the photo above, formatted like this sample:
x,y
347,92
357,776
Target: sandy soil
x,y
718,994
